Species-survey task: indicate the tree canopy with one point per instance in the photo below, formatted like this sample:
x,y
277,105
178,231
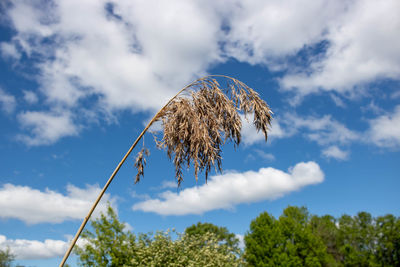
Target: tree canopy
x,y
109,244
287,241
6,258
296,238
222,233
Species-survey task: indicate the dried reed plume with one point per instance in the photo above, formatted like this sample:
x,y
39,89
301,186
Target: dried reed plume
x,y
198,124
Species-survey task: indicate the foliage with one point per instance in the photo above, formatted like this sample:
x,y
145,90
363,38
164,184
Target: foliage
x,y
110,245
222,233
186,250
287,241
294,239
6,258
388,240
357,239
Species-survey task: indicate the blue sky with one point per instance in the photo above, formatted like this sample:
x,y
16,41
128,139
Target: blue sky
x,y
80,79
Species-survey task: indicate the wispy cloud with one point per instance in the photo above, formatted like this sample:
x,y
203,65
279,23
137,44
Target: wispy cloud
x,y
335,152
384,130
251,136
230,189
7,102
30,97
34,206
323,130
46,128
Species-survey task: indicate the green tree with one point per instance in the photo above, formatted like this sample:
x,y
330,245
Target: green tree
x,y
6,258
288,241
109,245
186,250
388,240
326,229
222,233
357,239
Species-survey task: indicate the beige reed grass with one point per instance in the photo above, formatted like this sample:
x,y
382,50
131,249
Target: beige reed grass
x,y
197,122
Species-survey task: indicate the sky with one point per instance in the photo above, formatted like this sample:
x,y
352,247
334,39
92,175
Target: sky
x,y
79,80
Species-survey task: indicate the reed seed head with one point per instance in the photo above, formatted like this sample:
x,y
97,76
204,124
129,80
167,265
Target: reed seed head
x,y
198,124
140,162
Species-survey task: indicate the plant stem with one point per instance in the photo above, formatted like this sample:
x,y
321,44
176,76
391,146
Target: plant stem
x,y
78,233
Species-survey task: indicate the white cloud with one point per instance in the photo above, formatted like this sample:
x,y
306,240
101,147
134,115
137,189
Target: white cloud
x,y
395,94
30,97
344,44
9,51
384,130
138,50
168,184
323,130
241,240
264,31
7,102
34,206
33,249
335,152
262,154
142,49
362,47
46,128
251,136
230,189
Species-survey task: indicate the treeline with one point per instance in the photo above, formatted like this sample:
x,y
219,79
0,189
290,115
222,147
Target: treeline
x,y
296,238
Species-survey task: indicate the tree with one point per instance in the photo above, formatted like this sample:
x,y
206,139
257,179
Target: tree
x,y
326,229
6,258
110,245
357,239
288,241
388,240
187,250
222,233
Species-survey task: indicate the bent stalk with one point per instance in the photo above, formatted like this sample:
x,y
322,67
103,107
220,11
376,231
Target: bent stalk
x,y
78,233
195,129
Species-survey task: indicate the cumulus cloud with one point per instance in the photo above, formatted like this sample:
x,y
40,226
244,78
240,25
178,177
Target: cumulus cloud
x,y
362,47
131,56
34,206
384,130
230,189
33,249
123,62
25,249
335,152
7,102
46,128
344,44
265,31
